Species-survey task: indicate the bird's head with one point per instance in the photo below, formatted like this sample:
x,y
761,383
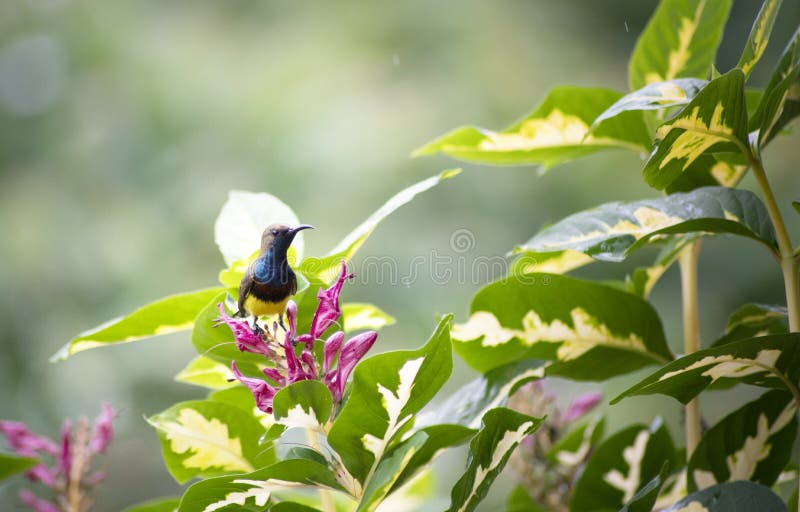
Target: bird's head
x,y
280,236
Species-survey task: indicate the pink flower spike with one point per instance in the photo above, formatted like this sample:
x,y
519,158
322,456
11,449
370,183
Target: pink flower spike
x,y
352,352
36,504
262,392
65,456
43,474
582,405
332,346
275,375
246,339
328,310
24,442
103,429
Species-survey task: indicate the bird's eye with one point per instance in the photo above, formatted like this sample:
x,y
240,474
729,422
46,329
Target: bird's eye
x,y
274,232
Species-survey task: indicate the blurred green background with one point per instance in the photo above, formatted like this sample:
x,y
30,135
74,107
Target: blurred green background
x,y
124,124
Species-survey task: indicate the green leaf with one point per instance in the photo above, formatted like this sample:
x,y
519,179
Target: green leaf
x,y
157,505
503,429
781,101
204,371
12,464
170,314
215,341
557,262
387,390
714,121
655,96
557,131
680,40
759,36
592,330
389,470
242,220
520,501
208,438
621,465
253,490
612,231
709,170
472,401
326,268
748,444
305,404
574,447
360,315
740,496
643,279
646,497
763,361
752,320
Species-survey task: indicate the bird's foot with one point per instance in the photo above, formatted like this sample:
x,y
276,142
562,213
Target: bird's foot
x,y
257,328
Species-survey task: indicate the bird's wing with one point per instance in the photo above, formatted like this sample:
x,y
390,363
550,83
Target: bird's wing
x,y
246,287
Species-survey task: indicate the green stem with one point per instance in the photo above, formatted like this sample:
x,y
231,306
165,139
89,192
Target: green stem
x,y
687,262
786,253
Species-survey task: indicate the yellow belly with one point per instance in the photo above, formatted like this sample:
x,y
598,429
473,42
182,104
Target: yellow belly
x,y
258,307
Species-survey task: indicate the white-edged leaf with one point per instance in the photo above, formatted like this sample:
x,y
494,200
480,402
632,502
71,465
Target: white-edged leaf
x,y
306,404
739,496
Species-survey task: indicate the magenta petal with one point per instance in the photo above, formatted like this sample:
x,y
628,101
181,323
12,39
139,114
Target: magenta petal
x,y
246,339
328,310
103,429
352,352
332,346
36,504
275,375
582,405
294,369
24,442
262,392
65,456
43,474
291,318
311,364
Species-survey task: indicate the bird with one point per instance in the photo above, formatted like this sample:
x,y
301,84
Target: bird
x,y
269,281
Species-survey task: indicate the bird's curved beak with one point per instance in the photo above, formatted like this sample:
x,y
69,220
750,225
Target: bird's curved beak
x,y
301,227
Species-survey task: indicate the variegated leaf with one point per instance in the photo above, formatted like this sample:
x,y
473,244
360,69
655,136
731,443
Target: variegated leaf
x,y
764,361
740,496
388,471
621,465
557,262
156,505
714,121
643,279
654,96
582,326
170,314
204,371
647,495
13,464
557,131
759,36
306,404
680,40
254,490
360,315
748,444
206,438
387,391
501,432
752,320
710,170
781,101
574,447
612,231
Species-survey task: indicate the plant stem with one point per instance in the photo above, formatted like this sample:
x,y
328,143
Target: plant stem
x,y
325,496
787,257
691,337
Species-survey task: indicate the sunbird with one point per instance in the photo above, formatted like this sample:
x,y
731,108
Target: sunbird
x,y
269,281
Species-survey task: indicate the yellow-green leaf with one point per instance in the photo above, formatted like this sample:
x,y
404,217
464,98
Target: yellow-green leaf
x,y
206,372
759,36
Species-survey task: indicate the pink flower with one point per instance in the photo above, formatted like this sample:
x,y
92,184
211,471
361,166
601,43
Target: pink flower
x,y
41,473
351,353
328,310
103,429
65,455
582,405
246,339
37,504
262,392
24,442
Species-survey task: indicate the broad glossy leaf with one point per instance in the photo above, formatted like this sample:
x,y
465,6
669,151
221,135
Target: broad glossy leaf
x,y
781,101
389,470
575,446
305,404
170,314
680,40
502,431
243,218
470,402
739,496
621,465
360,315
646,497
387,390
654,96
752,320
326,268
710,170
714,121
749,444
593,331
252,491
207,438
755,361
156,505
557,131
759,36
557,262
204,371
612,231
13,464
